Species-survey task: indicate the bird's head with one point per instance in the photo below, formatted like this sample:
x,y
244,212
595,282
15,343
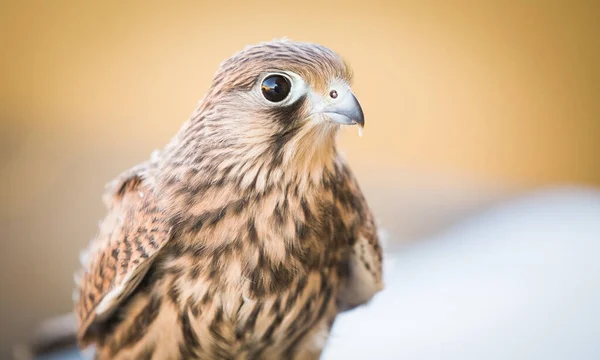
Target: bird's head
x,y
282,101
289,84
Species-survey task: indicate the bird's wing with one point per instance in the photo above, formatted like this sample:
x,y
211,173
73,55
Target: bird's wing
x,y
130,236
365,262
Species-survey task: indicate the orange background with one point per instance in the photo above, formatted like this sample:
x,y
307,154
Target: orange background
x,y
464,103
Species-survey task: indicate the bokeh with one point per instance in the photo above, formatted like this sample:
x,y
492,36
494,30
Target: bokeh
x,y
466,103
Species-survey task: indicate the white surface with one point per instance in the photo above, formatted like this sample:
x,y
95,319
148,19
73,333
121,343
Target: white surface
x,y
520,281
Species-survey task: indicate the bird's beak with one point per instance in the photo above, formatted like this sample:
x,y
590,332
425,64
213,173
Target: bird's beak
x,y
345,111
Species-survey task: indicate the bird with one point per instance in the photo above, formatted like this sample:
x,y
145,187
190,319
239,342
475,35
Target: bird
x,y
247,233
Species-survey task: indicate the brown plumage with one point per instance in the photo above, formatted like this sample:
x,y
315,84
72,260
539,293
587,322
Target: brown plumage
x,y
247,234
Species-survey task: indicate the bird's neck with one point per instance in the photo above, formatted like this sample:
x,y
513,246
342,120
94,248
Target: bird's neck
x,y
303,163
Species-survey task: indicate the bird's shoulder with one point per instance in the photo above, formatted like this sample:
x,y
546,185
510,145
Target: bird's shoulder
x,y
129,237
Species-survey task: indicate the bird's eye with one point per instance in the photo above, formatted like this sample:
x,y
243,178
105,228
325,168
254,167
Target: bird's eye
x,y
276,88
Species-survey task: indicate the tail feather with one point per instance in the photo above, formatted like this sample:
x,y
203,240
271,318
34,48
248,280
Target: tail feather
x,y
52,335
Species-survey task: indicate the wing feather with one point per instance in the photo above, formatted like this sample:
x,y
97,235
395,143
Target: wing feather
x,y
365,262
130,236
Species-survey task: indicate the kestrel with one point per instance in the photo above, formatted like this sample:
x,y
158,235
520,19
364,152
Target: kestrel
x,y
247,234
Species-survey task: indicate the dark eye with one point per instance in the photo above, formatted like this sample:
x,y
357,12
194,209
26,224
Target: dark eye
x,y
276,88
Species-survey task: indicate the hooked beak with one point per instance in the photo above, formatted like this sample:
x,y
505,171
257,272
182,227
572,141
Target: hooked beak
x,y
346,111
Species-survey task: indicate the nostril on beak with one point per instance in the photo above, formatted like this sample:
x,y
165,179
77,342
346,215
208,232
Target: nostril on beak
x,y
333,94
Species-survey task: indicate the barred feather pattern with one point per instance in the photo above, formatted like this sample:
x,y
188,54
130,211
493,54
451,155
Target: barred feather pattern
x,y
243,238
129,236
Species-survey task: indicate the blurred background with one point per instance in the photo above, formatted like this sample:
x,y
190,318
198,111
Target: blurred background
x,y
468,104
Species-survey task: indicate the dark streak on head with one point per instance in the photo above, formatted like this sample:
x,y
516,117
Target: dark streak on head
x,y
288,117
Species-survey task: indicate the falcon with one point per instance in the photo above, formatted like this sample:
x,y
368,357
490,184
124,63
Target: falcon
x,y
247,234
